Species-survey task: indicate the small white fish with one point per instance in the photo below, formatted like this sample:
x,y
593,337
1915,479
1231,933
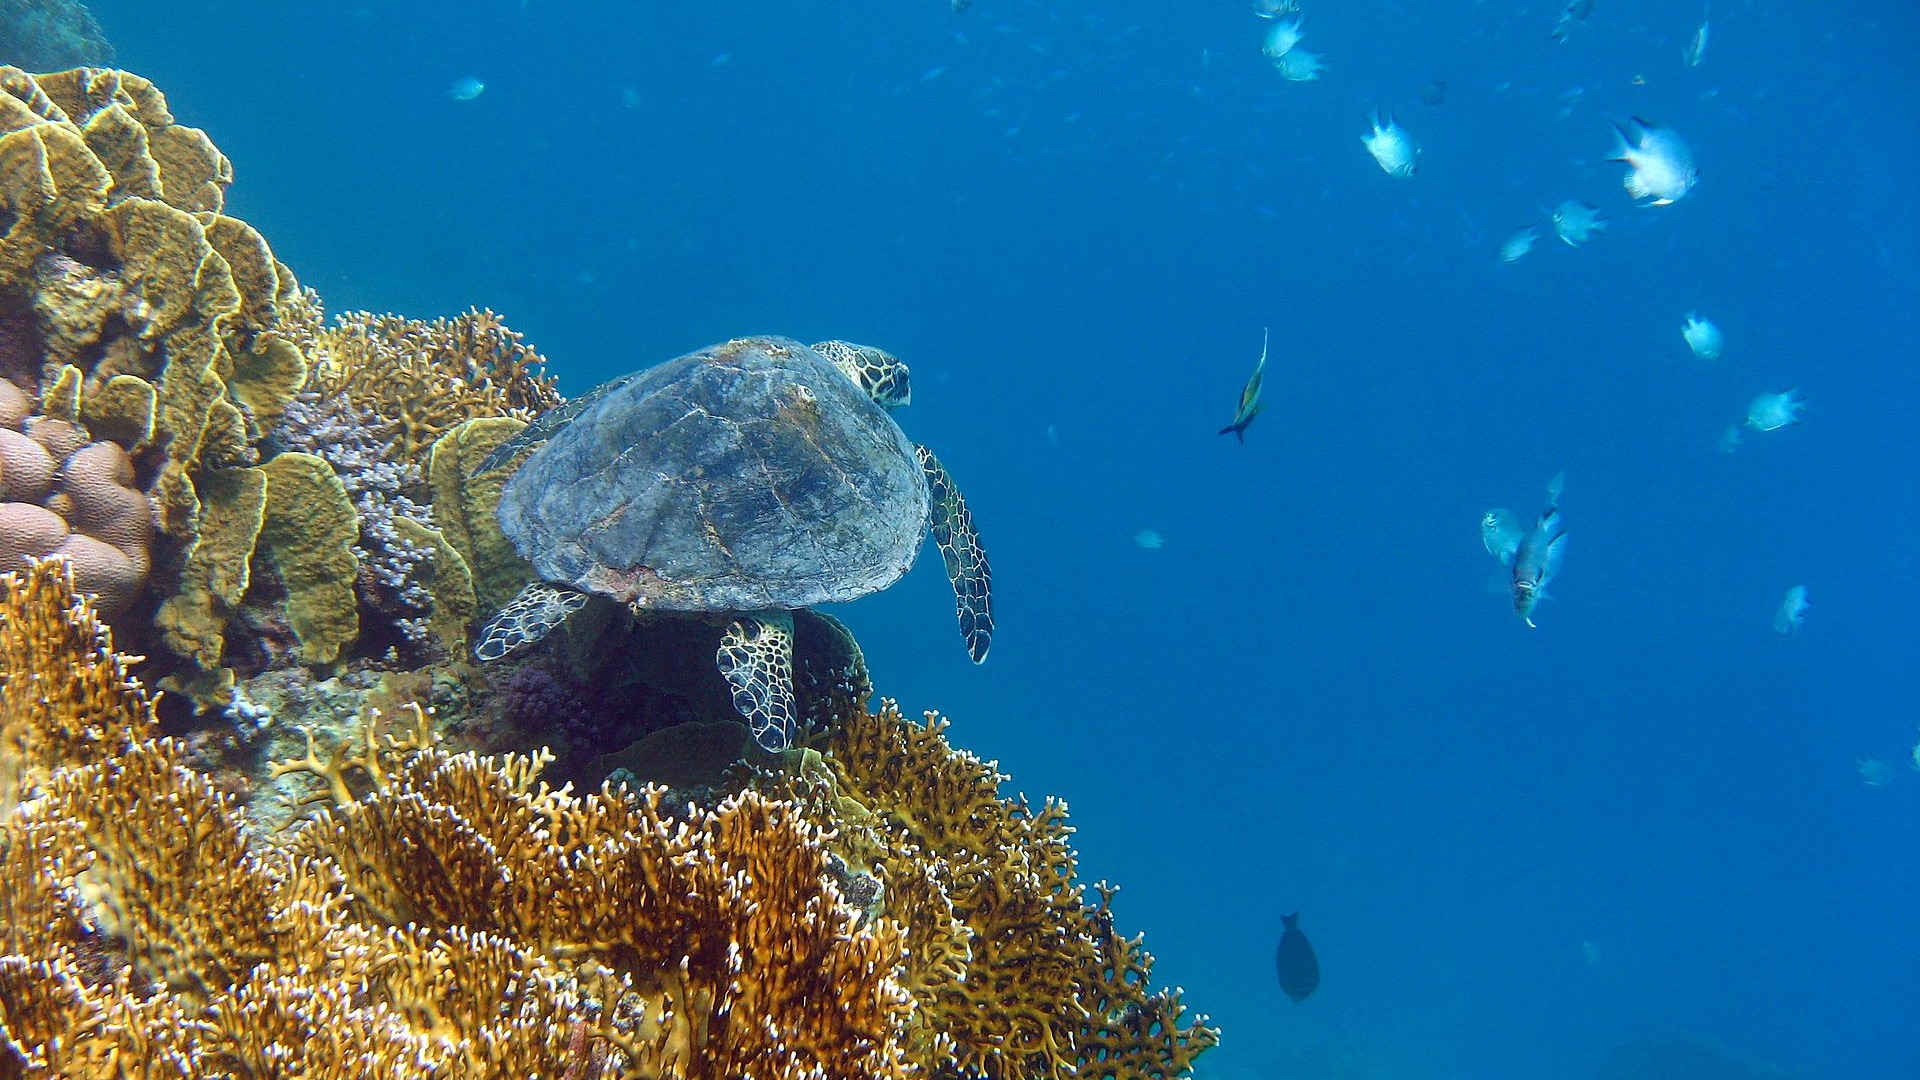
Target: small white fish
x,y
1731,439
1697,47
932,73
1792,611
1391,146
1273,9
1874,772
1704,338
1516,246
1150,540
1575,222
1299,65
1771,412
1283,37
466,89
1659,165
1500,533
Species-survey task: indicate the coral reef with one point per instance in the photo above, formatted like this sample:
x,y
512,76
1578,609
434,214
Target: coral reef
x,y
284,511
426,378
454,919
65,696
448,914
1014,971
157,363
139,330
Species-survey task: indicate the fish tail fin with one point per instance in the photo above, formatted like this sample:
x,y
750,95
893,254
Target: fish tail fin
x,y
1238,431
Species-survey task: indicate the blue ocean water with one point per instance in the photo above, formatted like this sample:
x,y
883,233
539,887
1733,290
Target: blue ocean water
x,y
1515,849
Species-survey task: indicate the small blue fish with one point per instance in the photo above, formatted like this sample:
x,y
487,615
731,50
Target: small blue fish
x,y
466,89
1249,396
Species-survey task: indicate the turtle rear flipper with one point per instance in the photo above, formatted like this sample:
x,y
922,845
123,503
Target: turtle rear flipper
x,y
966,560
756,657
527,618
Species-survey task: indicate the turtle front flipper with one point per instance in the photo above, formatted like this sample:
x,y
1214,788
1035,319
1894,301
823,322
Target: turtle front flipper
x,y
966,560
756,657
527,618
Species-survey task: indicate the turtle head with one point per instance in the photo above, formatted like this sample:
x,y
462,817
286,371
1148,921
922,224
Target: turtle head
x,y
878,372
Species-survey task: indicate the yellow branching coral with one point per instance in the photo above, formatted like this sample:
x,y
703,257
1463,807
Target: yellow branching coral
x,y
153,939
742,957
429,377
1033,981
65,695
450,915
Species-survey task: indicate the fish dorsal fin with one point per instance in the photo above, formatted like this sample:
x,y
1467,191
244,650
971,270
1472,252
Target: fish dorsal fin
x,y
1291,921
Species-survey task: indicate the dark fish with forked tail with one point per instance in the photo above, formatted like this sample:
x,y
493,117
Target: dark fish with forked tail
x,y
1299,968
1249,397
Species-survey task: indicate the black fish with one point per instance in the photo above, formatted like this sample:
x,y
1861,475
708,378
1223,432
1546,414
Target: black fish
x,y
1299,969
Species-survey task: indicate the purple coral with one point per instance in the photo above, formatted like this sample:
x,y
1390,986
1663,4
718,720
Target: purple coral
x,y
357,444
537,701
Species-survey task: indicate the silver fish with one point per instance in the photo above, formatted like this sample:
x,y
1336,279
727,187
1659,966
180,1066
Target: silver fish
x,y
1697,47
1249,396
1659,164
1501,533
1537,562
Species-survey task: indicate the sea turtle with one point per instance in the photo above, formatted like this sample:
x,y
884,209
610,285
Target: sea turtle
x,y
751,478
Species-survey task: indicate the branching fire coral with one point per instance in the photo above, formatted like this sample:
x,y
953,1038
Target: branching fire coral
x,y
425,378
145,928
1015,972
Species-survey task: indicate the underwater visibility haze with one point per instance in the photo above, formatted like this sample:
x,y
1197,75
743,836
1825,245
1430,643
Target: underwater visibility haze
x,y
1663,821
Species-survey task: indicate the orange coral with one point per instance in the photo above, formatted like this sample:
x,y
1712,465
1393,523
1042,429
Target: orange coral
x,y
1033,980
744,959
65,695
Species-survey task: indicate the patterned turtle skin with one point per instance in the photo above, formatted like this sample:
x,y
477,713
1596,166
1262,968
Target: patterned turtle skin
x,y
757,477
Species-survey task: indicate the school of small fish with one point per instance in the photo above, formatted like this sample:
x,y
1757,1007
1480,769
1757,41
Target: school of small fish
x,y
1660,172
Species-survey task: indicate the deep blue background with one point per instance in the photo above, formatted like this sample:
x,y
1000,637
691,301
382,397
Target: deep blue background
x,y
1073,219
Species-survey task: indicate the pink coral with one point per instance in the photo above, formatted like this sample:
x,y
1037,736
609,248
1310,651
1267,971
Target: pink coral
x,y
58,437
14,405
98,478
26,469
28,530
103,570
